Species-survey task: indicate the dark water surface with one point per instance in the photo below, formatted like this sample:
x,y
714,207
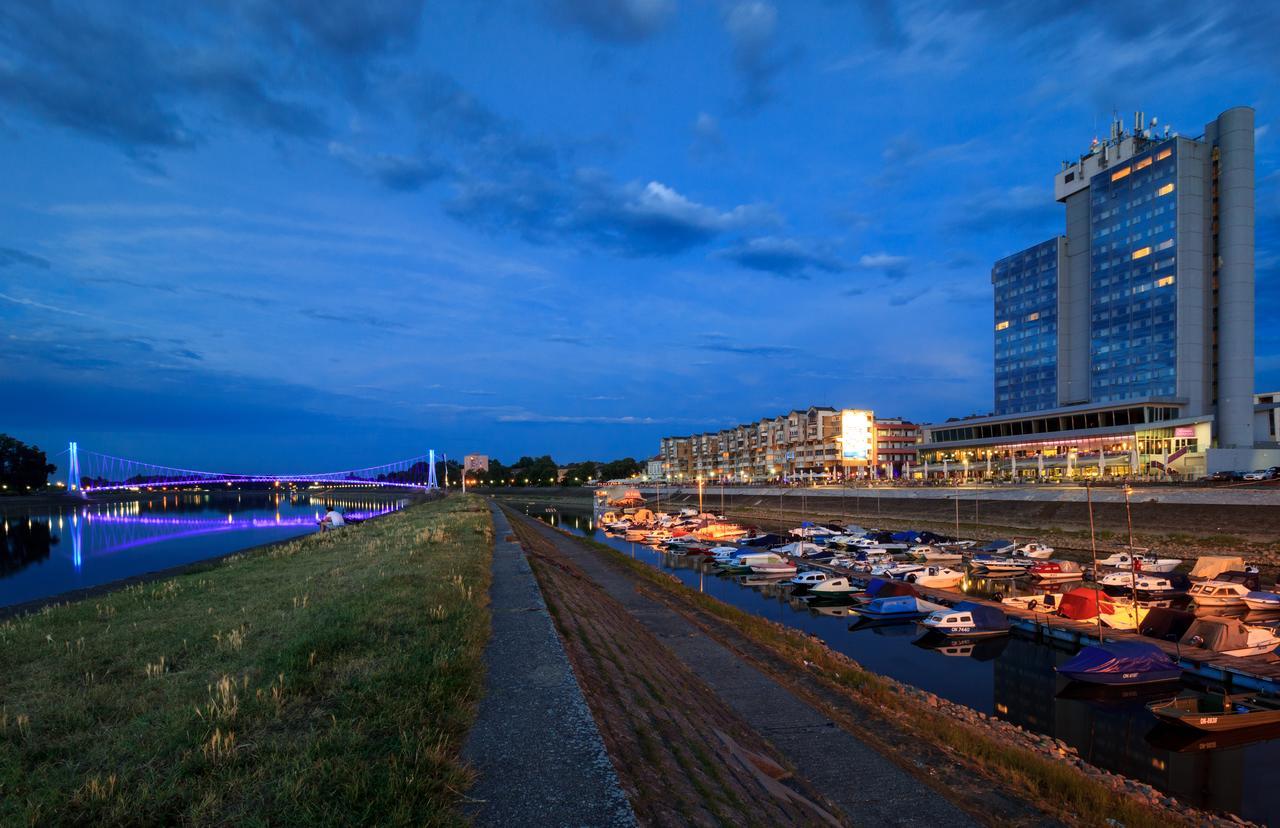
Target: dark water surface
x,y
1010,677
45,552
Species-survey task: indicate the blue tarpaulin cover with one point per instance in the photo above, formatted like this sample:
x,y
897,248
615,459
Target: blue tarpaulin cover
x,y
1122,657
984,617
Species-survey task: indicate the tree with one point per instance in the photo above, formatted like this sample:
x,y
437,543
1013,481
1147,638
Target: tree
x,y
23,468
620,469
578,473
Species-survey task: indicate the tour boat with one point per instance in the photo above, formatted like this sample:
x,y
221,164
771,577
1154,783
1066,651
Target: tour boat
x,y
1229,636
968,619
1218,594
1035,550
1121,663
1057,571
1139,562
898,607
804,581
1217,712
1262,600
935,576
934,554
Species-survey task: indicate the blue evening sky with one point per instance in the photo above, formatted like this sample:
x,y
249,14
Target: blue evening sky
x,y
292,234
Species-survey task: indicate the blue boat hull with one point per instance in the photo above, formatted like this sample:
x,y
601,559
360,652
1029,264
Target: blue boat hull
x,y
1124,679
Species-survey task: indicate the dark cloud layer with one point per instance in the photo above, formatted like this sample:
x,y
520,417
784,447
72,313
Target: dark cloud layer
x,y
614,21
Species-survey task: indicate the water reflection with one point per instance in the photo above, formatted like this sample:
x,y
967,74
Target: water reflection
x,y
103,542
1012,677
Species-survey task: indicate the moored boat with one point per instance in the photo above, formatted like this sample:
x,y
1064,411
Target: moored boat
x,y
1217,712
1057,571
1035,550
968,619
1229,636
1139,562
935,576
1218,594
1121,663
1262,600
898,607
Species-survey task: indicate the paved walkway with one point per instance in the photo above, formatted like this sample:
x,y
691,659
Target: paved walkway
x,y
869,788
534,744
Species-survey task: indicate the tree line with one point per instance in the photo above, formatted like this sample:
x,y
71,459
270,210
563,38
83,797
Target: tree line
x,y
23,468
544,471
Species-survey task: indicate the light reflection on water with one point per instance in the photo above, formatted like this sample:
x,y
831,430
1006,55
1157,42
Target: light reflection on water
x,y
51,551
1010,677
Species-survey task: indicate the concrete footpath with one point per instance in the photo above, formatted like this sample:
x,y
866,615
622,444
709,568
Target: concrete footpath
x,y
538,755
869,788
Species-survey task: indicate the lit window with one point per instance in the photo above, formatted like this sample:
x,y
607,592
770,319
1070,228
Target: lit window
x,y
1143,164
1163,154
1165,190
1141,252
1033,317
1121,173
1000,326
1165,282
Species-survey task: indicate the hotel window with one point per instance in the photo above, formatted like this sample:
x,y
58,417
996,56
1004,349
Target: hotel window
x,y
1033,317
1165,282
1143,164
1163,154
1141,252
1000,326
1121,173
1165,190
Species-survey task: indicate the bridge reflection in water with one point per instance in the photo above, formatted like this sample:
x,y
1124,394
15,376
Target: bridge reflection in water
x,y
50,552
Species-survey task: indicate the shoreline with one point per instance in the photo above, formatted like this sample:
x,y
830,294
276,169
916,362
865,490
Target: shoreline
x,y
36,605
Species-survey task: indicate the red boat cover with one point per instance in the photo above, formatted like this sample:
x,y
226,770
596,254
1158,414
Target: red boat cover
x,y
896,588
1080,604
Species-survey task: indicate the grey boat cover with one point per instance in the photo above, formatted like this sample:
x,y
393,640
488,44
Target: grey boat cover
x,y
1219,634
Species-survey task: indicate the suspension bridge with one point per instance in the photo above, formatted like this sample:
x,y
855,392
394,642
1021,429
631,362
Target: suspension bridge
x,y
89,472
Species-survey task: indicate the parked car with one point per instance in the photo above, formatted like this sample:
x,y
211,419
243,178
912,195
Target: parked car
x,y
1258,474
1225,476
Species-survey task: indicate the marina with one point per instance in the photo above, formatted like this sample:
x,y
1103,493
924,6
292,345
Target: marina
x,y
1012,677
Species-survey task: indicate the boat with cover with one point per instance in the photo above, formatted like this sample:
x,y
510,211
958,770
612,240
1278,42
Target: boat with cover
x,y
1057,571
1148,587
805,581
785,569
996,548
836,586
1035,550
1044,601
1139,562
1262,600
935,576
903,607
968,619
1217,711
1166,624
934,554
1121,663
1218,594
1229,636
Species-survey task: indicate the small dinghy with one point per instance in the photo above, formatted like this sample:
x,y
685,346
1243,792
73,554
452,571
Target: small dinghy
x,y
1216,712
967,619
1121,664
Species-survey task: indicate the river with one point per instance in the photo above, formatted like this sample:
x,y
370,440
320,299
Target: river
x,y
1010,677
49,551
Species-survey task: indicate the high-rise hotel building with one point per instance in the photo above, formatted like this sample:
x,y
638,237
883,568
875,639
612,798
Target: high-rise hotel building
x,y
1129,338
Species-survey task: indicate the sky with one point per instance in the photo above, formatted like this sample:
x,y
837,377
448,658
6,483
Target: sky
x,y
282,235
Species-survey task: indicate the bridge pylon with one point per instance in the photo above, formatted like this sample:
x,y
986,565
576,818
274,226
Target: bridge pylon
x,y
431,470
73,468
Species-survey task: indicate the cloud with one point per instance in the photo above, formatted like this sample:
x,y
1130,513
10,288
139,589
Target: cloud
x,y
898,300
347,316
614,21
1025,210
782,256
707,138
722,343
752,27
349,28
893,267
402,173
9,257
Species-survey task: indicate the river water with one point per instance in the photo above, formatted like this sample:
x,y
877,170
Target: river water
x,y
1010,677
49,551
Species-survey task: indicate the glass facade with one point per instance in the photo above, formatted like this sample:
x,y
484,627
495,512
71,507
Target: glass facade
x,y
1026,328
1133,340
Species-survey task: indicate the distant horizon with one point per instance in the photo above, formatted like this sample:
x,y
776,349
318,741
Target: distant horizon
x,y
275,238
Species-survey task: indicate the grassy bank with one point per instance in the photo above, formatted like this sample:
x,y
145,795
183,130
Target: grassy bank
x,y
325,680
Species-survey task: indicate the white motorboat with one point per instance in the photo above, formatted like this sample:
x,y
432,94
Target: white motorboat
x,y
833,587
1001,565
936,576
934,554
781,569
1140,562
902,570
813,532
1036,550
805,580
800,549
1218,594
967,619
1262,601
1229,636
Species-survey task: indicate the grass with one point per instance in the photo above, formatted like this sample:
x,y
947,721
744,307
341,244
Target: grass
x,y
327,680
1060,788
